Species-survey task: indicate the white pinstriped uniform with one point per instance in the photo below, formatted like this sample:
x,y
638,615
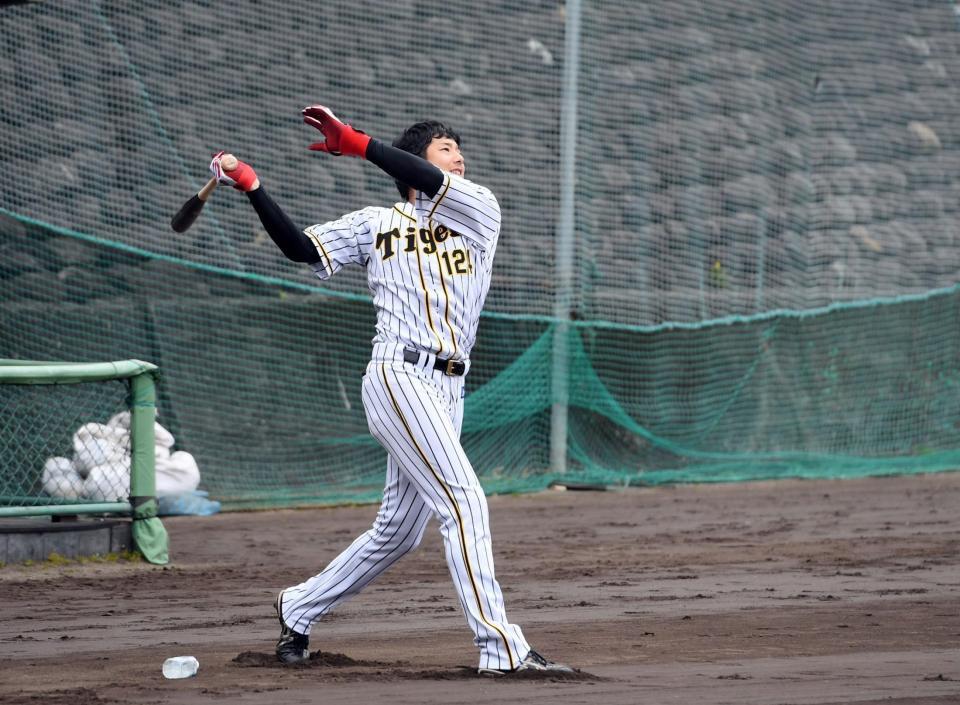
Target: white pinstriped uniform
x,y
428,265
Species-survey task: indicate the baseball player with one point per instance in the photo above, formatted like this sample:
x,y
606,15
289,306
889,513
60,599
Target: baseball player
x,y
428,260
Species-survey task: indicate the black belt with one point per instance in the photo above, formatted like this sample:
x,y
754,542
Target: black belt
x,y
454,368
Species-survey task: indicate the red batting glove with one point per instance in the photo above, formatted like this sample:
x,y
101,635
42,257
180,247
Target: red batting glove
x,y
341,139
242,177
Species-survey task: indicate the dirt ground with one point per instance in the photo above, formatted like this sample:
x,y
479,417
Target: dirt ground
x,y
799,592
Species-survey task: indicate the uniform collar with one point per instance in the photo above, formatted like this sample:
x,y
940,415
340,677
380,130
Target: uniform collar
x,y
407,209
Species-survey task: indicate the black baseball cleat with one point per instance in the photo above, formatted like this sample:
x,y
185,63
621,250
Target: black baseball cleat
x,y
531,662
292,647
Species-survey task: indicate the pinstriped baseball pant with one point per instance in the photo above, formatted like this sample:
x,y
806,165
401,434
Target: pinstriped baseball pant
x,y
416,414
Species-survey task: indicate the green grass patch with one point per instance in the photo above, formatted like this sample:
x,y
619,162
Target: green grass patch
x,y
56,560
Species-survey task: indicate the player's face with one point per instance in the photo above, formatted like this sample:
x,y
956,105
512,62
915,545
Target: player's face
x,y
444,153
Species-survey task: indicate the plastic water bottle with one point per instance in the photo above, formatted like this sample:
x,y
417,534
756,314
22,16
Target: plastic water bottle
x,y
180,667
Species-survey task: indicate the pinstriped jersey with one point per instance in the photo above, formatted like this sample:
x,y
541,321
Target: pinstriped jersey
x,y
428,263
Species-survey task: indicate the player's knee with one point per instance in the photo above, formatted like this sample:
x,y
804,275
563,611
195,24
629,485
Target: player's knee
x,y
392,541
415,536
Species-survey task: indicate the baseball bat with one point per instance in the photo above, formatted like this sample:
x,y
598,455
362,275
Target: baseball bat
x,y
189,211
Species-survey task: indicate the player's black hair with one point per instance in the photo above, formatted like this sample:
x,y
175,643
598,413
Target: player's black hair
x,y
416,138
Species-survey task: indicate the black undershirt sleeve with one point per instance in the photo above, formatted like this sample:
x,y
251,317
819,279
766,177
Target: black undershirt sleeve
x,y
409,168
289,238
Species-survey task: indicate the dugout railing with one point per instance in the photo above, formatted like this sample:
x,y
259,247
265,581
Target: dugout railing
x,y
49,417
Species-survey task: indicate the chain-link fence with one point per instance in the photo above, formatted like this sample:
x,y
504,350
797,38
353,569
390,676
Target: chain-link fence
x,y
64,444
54,460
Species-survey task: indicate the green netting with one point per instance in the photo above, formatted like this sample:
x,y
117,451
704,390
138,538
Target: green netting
x,y
59,459
42,441
77,437
765,240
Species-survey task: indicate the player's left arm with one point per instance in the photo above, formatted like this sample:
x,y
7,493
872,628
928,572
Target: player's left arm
x,y
344,140
464,207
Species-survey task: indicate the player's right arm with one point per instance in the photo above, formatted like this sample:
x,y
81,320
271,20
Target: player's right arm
x,y
288,237
326,248
347,240
291,240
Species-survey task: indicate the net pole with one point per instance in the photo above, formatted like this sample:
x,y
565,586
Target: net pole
x,y
149,535
143,411
564,240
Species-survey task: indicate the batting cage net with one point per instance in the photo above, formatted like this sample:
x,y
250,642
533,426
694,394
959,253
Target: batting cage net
x,y
53,454
729,250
